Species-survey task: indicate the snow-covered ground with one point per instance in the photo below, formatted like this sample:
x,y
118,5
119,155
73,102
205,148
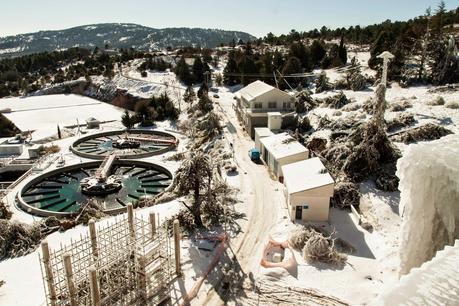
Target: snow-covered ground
x,y
370,269
42,114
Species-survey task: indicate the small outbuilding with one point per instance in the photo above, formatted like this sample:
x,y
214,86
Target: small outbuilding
x,y
309,188
279,150
92,123
260,133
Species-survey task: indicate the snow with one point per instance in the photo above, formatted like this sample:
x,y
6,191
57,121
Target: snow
x,y
11,50
254,90
429,188
17,283
306,175
431,284
42,114
283,145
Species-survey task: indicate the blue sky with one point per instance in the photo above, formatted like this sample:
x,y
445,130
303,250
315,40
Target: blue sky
x,y
257,17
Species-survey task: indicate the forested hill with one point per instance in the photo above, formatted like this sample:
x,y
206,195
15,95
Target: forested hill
x,y
116,35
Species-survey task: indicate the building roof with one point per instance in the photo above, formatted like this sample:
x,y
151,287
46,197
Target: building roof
x,y
263,132
306,175
256,89
282,145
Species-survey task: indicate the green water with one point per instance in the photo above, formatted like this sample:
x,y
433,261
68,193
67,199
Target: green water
x,y
62,192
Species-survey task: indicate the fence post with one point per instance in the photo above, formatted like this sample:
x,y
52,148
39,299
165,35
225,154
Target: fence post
x,y
153,224
93,236
177,246
70,282
142,278
130,213
94,286
48,273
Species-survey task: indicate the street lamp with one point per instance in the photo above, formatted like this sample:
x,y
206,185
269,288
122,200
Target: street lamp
x,y
386,57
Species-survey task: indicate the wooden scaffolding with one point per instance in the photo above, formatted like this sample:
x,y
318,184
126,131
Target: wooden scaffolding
x,y
127,262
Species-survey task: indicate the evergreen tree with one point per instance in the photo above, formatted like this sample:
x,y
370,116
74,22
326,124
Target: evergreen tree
x,y
299,51
247,66
318,52
189,96
230,68
292,66
203,91
198,70
342,52
183,72
381,44
145,114
127,120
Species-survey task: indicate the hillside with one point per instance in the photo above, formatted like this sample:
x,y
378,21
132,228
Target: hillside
x,y
117,35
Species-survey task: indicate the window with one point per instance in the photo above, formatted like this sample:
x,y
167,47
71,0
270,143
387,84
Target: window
x,y
258,105
305,206
272,105
286,105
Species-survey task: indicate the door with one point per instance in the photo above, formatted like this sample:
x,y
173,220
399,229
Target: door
x,y
299,213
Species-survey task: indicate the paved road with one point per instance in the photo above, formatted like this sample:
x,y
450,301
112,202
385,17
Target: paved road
x,y
264,203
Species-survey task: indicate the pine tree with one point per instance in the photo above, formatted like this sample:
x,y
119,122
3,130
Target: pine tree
x,y
318,52
127,120
189,96
380,45
292,66
342,52
299,51
198,70
183,72
231,68
247,66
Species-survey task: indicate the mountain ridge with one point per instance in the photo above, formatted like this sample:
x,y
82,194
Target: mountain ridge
x,y
117,35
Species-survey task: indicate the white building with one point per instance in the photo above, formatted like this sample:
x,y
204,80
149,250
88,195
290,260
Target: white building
x,y
279,150
309,188
256,100
261,132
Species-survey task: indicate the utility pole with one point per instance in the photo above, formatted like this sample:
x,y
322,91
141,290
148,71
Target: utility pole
x,y
386,57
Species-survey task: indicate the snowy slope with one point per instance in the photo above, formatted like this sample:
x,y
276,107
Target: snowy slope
x,y
117,35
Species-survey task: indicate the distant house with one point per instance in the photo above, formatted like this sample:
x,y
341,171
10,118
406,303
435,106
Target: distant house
x,y
256,100
279,150
309,188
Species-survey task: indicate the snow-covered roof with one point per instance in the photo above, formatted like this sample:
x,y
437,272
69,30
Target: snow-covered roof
x,y
256,89
282,145
263,132
306,175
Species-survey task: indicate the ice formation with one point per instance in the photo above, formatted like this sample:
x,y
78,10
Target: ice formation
x,y
429,202
434,283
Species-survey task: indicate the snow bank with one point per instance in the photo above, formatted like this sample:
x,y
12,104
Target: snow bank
x,y
429,185
430,284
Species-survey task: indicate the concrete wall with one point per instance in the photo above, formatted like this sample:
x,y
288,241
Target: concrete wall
x,y
11,149
254,122
318,207
289,160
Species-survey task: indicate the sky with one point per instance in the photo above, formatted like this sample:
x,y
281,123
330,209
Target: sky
x,y
257,17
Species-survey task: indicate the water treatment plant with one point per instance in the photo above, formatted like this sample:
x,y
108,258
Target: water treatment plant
x,y
114,178
124,143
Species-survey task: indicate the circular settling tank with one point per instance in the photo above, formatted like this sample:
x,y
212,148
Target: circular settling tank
x,y
63,191
124,143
